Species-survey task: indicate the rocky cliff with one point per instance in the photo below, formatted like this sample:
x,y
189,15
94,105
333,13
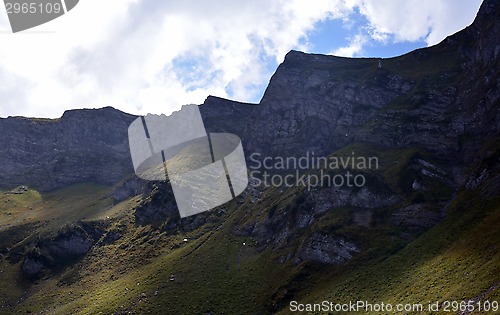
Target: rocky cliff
x,y
443,99
81,146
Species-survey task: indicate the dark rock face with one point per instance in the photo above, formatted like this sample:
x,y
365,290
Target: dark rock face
x,y
69,245
76,243
326,249
327,198
32,266
442,98
416,216
130,187
158,205
81,146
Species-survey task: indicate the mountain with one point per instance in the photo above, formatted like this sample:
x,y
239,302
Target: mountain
x,y
433,98
81,146
80,234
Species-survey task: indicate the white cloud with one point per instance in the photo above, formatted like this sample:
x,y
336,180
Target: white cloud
x,y
354,48
411,20
153,56
130,54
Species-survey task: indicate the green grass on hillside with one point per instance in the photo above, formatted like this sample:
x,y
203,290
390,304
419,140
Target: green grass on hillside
x,y
457,260
151,269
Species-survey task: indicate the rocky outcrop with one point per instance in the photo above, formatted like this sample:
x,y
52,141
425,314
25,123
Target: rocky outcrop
x,y
129,188
71,243
81,146
326,249
363,197
32,266
157,206
417,216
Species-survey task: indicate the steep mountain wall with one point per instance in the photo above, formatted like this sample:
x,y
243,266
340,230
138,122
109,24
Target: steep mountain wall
x,y
443,99
81,146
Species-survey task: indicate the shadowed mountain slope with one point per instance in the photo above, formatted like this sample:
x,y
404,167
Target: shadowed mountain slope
x,y
86,236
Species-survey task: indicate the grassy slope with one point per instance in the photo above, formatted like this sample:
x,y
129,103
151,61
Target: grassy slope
x,y
215,272
456,260
23,217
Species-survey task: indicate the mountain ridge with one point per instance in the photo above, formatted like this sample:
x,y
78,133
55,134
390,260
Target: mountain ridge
x,y
422,227
354,109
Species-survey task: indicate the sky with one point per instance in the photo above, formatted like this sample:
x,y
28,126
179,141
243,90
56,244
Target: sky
x,y
150,56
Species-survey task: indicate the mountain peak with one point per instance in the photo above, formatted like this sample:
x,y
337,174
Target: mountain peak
x,y
107,111
488,13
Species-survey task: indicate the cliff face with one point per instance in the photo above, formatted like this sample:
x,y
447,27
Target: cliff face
x,y
81,146
442,99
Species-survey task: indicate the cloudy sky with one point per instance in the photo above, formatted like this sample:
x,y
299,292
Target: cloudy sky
x,y
150,56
